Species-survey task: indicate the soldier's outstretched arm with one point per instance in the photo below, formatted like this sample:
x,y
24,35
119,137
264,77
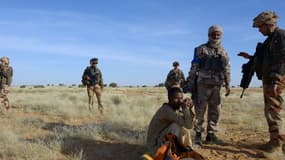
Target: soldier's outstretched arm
x,y
227,75
244,55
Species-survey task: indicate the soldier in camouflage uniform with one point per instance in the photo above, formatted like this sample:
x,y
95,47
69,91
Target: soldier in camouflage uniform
x,y
175,77
272,72
92,78
6,74
210,70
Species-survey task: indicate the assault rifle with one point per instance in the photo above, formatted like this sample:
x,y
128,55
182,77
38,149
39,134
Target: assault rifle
x,y
92,78
250,67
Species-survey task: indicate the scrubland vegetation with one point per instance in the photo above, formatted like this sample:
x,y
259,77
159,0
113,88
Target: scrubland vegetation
x,y
54,123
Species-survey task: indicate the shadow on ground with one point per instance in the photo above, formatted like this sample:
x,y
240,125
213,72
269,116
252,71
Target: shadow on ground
x,y
99,150
90,149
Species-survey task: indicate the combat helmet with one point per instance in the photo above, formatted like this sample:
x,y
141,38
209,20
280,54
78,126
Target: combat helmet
x,y
266,17
4,61
94,60
175,63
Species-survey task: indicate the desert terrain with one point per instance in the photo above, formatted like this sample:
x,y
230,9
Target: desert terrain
x,y
54,123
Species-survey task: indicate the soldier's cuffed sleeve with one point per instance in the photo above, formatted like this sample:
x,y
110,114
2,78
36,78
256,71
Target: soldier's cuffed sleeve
x,y
227,72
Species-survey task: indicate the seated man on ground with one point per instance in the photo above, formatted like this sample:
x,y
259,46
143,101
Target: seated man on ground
x,y
175,117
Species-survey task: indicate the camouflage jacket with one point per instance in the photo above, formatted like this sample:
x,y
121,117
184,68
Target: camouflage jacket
x,y
273,68
211,65
6,75
95,76
175,78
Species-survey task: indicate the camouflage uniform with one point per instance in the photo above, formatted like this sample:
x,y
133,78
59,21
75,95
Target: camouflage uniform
x,y
6,74
92,77
175,77
210,69
273,75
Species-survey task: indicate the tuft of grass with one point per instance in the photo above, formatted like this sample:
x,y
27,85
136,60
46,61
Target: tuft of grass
x,y
116,100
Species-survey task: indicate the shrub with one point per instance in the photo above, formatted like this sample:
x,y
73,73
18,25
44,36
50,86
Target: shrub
x,y
81,86
39,86
160,85
116,100
23,86
113,85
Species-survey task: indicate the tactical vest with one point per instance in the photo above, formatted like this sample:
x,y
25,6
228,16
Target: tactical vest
x,y
176,76
214,63
6,76
175,79
93,74
211,66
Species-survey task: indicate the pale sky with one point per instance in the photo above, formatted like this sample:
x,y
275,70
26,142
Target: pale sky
x,y
136,41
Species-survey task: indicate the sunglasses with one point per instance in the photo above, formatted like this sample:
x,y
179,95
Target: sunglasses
x,y
216,34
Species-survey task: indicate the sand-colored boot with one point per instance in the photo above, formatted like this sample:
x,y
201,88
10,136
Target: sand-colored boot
x,y
273,150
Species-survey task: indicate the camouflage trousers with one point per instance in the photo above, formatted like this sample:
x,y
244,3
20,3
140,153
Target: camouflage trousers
x,y
183,134
207,96
91,90
273,110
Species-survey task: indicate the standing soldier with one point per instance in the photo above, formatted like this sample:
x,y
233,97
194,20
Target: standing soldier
x,y
210,69
175,77
92,78
6,74
272,73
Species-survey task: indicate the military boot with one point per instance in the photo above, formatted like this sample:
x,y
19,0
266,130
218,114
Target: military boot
x,y
275,154
211,138
198,139
273,150
101,109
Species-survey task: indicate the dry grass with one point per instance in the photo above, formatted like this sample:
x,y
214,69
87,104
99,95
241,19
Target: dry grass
x,y
54,122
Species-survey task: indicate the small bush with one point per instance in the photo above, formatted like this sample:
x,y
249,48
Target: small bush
x,y
113,85
81,86
116,100
39,86
23,86
160,85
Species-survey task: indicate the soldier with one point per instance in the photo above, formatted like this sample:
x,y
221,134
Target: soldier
x,y
174,117
175,77
272,73
210,69
6,74
92,78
